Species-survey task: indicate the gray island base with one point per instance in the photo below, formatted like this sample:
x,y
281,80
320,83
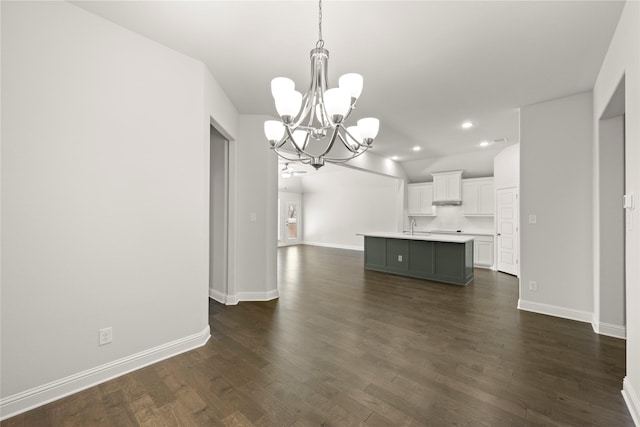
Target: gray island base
x,y
446,259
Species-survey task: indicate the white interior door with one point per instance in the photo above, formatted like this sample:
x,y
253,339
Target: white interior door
x,y
507,220
290,228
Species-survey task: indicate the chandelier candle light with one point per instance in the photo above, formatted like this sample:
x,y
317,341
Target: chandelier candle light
x,y
311,124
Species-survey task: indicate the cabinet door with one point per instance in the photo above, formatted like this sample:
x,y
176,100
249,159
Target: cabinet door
x,y
426,199
439,187
486,198
415,200
483,252
397,255
454,187
469,198
447,186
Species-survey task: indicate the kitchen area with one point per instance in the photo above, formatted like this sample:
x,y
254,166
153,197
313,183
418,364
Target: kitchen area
x,y
450,231
451,205
475,204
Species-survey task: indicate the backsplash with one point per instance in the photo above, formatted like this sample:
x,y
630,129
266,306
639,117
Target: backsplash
x,y
451,218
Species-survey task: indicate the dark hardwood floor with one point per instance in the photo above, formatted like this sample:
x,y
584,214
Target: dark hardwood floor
x,y
344,346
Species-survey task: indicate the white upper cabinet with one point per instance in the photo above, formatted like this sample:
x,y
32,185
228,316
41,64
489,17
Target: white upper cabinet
x,y
420,199
447,188
478,196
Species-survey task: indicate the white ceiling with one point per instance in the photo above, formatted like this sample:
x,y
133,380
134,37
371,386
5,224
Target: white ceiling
x,y
428,65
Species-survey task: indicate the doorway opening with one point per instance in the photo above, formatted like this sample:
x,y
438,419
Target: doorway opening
x,y
218,215
609,292
289,219
507,230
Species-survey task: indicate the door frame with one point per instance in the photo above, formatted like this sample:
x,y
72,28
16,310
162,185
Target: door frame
x,y
611,239
226,294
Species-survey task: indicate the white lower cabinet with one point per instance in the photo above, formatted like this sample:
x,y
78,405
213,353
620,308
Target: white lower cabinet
x,y
483,251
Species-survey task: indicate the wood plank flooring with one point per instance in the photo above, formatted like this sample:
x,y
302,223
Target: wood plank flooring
x,y
344,346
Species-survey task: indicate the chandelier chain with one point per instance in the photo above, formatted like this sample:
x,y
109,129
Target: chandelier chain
x,y
320,42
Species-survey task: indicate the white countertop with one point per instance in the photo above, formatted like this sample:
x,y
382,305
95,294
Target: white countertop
x,y
451,238
464,233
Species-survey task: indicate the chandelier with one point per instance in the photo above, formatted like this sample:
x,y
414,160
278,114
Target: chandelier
x,y
310,125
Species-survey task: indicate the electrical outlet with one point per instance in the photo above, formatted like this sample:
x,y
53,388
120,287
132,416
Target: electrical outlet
x,y
105,336
533,286
533,219
399,258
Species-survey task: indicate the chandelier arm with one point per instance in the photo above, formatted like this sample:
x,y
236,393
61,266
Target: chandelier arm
x,y
311,112
334,135
304,111
282,141
324,84
299,150
346,144
307,99
339,160
351,108
291,159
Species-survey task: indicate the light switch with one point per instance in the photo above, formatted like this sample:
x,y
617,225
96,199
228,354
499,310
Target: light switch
x,y
252,217
628,201
533,218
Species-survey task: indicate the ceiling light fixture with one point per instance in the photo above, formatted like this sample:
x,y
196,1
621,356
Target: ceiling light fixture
x,y
485,144
394,157
310,125
417,148
287,172
467,125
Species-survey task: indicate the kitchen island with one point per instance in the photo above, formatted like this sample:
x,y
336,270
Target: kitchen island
x,y
442,258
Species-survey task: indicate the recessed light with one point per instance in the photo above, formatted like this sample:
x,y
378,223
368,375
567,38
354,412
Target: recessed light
x,y
484,144
394,157
417,148
467,125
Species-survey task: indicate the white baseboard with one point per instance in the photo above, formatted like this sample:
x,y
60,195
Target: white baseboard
x,y
610,330
554,310
631,399
41,395
335,245
223,298
243,296
258,296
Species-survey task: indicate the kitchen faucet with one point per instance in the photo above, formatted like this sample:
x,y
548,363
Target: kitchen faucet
x,y
413,224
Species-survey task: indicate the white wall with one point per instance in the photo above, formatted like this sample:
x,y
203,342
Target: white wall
x,y
623,58
371,162
219,111
506,168
555,185
290,185
256,194
104,201
339,204
475,164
